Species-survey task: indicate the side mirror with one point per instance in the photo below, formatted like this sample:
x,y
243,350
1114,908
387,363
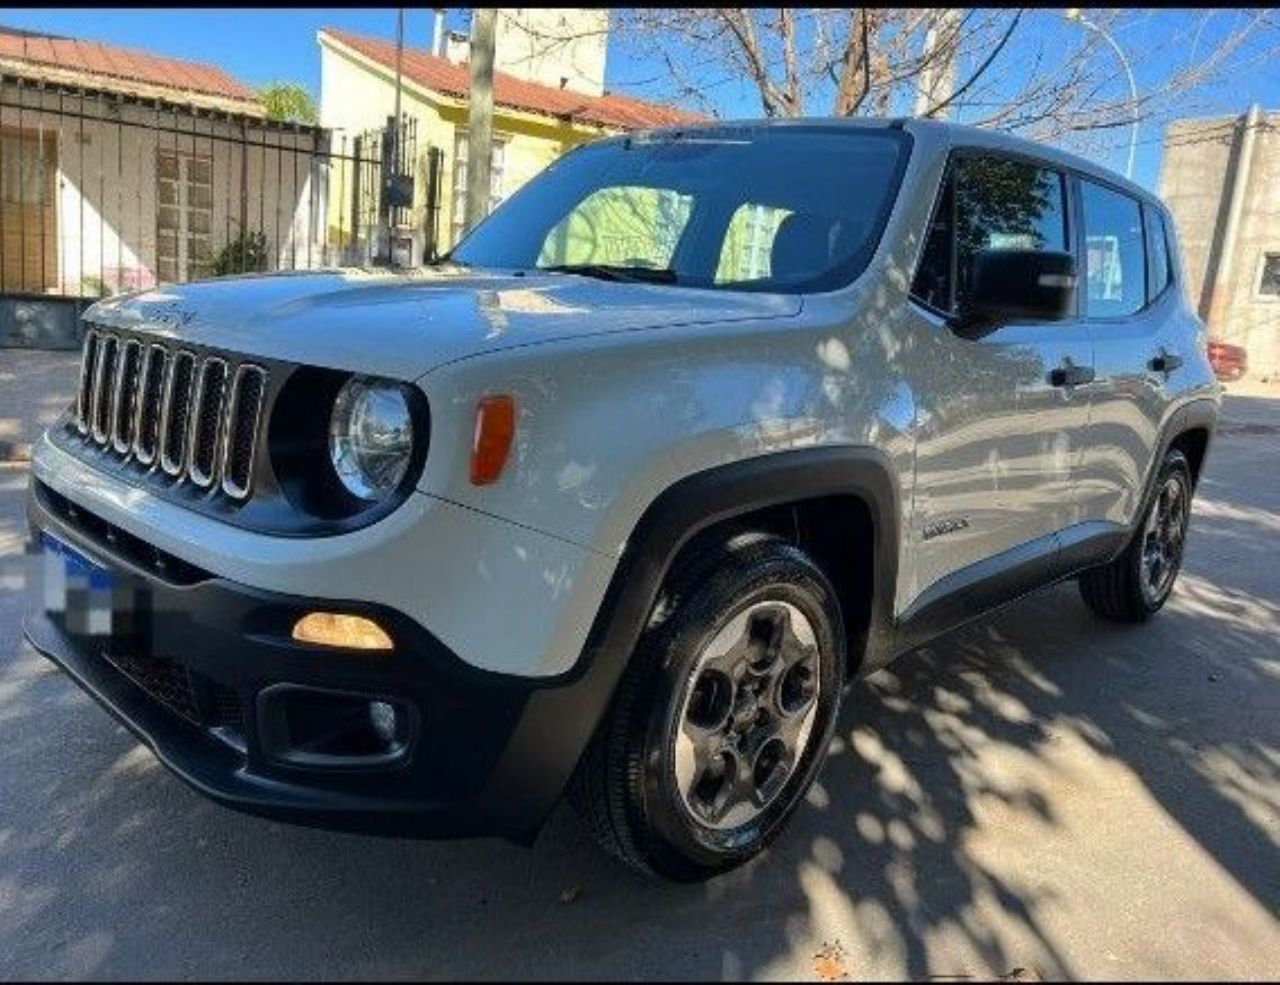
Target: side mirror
x,y
1017,285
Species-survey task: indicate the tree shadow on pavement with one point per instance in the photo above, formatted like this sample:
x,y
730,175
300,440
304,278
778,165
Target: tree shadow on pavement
x,y
927,848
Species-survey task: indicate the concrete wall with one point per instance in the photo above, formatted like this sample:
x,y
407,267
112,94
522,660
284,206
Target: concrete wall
x,y
1194,182
560,48
106,189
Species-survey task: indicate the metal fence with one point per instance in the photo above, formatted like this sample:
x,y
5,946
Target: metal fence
x,y
102,193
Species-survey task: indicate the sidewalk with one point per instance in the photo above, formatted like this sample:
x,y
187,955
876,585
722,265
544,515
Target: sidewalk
x,y
35,387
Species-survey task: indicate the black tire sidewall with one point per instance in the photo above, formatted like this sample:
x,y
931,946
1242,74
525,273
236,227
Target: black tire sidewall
x,y
1175,463
771,571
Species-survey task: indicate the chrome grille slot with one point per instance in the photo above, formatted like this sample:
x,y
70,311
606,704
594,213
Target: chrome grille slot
x,y
207,420
151,387
244,414
103,378
126,391
170,412
176,413
84,395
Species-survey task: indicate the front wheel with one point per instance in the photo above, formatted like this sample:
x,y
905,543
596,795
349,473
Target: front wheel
x,y
1137,584
724,714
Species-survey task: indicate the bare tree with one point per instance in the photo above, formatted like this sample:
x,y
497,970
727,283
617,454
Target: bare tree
x,y
1022,70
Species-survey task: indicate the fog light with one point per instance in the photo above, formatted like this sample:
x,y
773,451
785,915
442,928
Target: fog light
x,y
335,629
382,718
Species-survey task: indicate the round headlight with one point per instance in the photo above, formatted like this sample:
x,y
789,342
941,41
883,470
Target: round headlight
x,y
371,437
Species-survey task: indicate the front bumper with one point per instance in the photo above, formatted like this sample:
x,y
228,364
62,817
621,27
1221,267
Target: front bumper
x,y
466,772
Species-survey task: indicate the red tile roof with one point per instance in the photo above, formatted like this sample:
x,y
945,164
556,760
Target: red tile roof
x,y
441,75
126,64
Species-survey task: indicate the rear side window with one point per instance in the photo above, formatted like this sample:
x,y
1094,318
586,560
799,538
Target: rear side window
x,y
1160,271
987,203
1116,271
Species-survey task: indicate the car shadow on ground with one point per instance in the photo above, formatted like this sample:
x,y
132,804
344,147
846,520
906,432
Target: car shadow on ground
x,y
110,867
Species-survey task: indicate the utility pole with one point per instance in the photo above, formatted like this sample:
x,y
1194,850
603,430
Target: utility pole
x,y
937,78
1074,14
480,114
385,247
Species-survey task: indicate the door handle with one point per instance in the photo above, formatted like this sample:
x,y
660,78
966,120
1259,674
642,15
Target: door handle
x,y
1165,362
1069,374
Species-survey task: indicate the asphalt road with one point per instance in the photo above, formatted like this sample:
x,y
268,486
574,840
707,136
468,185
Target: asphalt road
x,y
1038,792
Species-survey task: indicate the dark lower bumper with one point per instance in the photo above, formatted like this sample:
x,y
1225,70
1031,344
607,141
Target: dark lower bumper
x,y
470,770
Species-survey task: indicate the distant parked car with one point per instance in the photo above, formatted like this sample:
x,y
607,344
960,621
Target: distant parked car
x,y
1229,362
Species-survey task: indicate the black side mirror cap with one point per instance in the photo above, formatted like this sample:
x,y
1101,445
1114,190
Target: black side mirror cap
x,y
1017,285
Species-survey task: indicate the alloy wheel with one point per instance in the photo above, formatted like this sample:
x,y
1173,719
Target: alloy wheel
x,y
747,714
1163,538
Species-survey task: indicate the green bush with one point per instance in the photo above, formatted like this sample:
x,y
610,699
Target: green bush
x,y
247,253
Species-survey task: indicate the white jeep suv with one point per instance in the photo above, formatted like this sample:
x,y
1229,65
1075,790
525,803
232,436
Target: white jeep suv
x,y
613,500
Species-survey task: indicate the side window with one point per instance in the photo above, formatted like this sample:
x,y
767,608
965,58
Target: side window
x,y
1159,271
1116,262
987,203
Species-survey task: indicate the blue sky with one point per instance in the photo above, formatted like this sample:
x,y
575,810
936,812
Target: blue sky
x,y
259,46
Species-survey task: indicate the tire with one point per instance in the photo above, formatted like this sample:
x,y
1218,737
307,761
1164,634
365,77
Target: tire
x,y
628,788
1125,590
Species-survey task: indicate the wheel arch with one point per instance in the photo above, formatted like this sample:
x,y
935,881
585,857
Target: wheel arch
x,y
806,484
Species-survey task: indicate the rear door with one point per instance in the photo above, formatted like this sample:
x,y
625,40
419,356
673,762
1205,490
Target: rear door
x,y
999,436
1132,309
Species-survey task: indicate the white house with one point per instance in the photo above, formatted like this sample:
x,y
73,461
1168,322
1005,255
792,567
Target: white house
x,y
121,169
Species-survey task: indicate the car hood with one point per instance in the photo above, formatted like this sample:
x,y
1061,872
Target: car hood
x,y
402,325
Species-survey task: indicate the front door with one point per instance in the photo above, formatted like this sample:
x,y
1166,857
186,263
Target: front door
x,y
28,231
1001,418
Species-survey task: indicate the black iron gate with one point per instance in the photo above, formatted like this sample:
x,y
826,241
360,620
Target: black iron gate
x,y
102,192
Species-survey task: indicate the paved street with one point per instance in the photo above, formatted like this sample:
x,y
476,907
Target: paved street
x,y
1039,792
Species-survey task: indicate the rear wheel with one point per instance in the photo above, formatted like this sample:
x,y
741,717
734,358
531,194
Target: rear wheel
x,y
1137,584
724,714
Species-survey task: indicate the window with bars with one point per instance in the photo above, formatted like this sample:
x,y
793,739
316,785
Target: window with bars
x,y
184,216
1269,276
748,243
497,165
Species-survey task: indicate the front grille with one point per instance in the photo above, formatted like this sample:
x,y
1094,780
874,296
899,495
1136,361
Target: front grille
x,y
167,681
186,693
193,417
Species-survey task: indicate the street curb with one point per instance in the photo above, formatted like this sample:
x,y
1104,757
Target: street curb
x,y
15,451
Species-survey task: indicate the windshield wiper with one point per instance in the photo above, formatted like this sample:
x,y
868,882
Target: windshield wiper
x,y
608,271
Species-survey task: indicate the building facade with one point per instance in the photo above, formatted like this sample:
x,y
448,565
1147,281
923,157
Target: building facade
x,y
1220,178
533,123
121,170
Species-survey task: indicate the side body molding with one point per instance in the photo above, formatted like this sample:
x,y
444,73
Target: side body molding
x,y
558,721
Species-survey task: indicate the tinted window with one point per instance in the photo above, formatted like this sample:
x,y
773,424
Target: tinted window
x,y
794,209
1116,266
987,203
1160,272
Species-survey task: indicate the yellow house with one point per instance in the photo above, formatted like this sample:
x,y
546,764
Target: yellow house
x,y
533,124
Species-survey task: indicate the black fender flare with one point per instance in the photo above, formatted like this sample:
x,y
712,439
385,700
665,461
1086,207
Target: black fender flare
x,y
558,721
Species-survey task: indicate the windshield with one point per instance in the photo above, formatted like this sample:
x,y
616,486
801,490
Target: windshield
x,y
765,209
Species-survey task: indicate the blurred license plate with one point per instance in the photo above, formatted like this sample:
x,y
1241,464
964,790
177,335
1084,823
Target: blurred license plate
x,y
83,593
